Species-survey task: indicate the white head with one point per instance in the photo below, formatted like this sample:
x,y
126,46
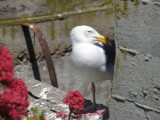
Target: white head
x,y
85,34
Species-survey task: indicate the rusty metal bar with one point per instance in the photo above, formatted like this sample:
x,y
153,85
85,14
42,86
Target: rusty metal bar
x,y
31,53
46,53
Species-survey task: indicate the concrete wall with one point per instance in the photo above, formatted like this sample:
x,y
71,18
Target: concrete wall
x,y
136,84
55,18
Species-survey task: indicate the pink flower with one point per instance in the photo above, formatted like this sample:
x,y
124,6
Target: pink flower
x,y
14,100
75,101
13,93
34,116
59,114
6,65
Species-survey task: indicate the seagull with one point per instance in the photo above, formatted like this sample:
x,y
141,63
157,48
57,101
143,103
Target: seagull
x,y
92,58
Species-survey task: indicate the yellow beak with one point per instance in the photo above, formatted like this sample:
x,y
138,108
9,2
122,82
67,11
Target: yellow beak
x,y
103,39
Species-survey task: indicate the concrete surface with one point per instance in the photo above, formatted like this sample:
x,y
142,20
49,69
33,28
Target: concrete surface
x,y
136,86
46,97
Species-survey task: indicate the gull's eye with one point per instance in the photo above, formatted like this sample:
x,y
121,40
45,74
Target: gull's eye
x,y
90,31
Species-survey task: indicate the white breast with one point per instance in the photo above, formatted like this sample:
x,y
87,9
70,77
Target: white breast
x,y
88,55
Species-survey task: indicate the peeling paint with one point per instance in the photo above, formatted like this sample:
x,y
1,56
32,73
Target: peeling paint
x,y
44,92
37,85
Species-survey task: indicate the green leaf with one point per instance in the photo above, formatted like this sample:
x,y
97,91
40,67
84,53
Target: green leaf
x,y
30,118
35,111
42,114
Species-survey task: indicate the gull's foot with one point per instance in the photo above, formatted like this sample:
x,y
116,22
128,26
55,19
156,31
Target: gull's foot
x,y
91,109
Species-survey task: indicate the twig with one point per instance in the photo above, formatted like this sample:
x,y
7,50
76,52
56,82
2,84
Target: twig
x,y
131,51
69,116
46,53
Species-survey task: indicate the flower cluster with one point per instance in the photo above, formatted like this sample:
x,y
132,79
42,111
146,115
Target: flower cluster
x,y
6,65
75,101
61,114
13,91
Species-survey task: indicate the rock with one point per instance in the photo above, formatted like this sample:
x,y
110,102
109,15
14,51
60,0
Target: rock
x,y
46,97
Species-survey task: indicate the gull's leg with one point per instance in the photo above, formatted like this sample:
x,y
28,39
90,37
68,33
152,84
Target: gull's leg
x,y
94,97
94,93
92,108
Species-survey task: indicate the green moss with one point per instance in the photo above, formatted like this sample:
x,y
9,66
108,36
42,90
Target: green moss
x,y
136,3
90,16
57,6
1,41
4,31
116,66
43,14
52,31
109,11
13,32
61,48
24,20
67,31
120,8
125,9
108,2
71,5
67,5
25,16
52,4
124,54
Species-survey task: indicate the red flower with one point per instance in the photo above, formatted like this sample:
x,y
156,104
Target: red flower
x,y
14,100
59,114
34,116
13,91
75,101
6,65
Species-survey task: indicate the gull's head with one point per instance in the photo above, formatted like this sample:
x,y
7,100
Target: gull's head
x,y
86,34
